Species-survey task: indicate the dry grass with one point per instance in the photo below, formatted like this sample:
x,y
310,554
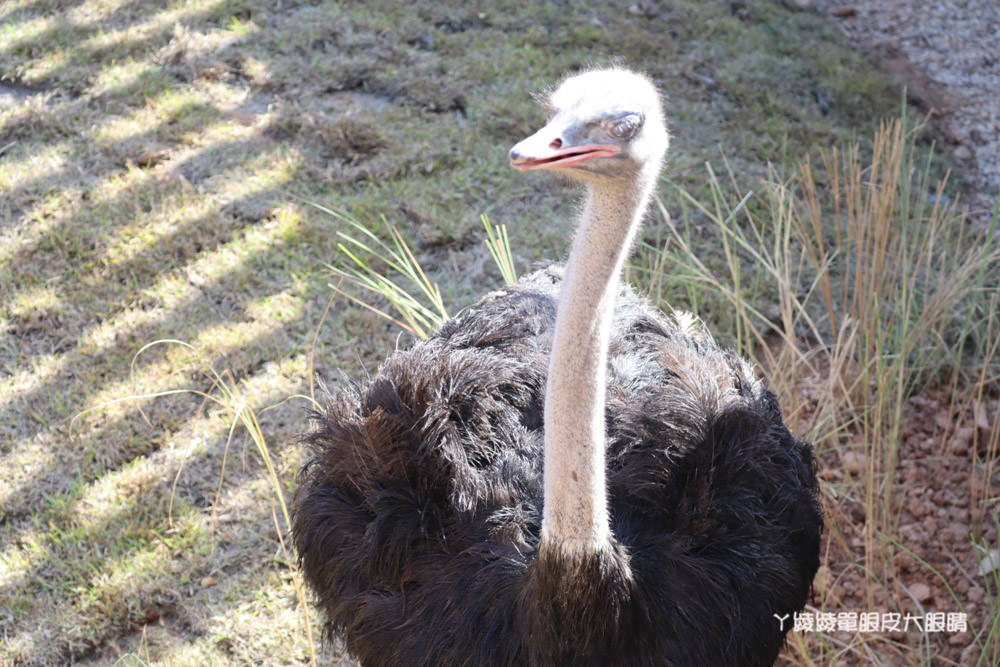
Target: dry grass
x,y
154,158
880,292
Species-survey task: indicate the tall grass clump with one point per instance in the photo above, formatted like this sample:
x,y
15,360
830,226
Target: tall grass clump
x,y
390,272
367,262
906,287
855,285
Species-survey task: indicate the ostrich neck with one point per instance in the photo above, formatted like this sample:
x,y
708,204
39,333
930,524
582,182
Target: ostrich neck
x,y
575,508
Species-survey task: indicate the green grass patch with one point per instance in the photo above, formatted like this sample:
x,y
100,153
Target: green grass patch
x,y
154,161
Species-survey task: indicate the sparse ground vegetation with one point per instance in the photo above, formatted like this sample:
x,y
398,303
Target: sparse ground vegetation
x,y
155,164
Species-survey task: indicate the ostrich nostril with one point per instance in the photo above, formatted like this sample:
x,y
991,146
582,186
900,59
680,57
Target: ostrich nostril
x,y
555,144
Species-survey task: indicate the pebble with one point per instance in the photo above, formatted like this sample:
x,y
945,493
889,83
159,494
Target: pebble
x,y
982,421
903,561
943,419
970,656
910,534
823,577
960,639
960,443
920,591
854,463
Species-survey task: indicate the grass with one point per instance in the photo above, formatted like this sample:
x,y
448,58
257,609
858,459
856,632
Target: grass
x,y
370,260
883,293
154,162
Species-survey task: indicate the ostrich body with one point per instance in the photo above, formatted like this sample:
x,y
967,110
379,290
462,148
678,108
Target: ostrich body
x,y
562,475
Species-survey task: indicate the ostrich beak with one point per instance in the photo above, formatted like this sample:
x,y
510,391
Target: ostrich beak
x,y
546,149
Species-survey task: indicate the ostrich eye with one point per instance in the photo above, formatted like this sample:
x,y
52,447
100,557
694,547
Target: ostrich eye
x,y
626,126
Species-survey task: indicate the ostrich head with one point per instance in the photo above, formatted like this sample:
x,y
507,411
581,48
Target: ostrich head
x,y
606,131
604,124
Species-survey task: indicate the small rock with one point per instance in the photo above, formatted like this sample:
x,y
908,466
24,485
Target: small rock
x,y
903,561
963,153
824,577
982,422
845,11
955,136
208,581
854,463
911,534
960,639
921,592
943,421
970,655
961,441
989,562
830,475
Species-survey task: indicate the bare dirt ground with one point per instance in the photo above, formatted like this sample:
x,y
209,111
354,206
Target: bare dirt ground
x,y
936,566
947,55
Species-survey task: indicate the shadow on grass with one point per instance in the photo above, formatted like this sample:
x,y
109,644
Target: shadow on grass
x,y
72,39
152,235
212,303
85,564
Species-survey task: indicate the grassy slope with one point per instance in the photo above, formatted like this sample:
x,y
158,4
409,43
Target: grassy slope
x,y
150,158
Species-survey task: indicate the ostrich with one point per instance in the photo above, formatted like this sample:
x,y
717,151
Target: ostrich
x,y
563,475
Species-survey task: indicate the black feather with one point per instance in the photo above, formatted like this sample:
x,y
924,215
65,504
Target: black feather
x,y
418,514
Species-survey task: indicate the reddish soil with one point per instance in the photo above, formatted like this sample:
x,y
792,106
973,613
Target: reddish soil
x,y
945,503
